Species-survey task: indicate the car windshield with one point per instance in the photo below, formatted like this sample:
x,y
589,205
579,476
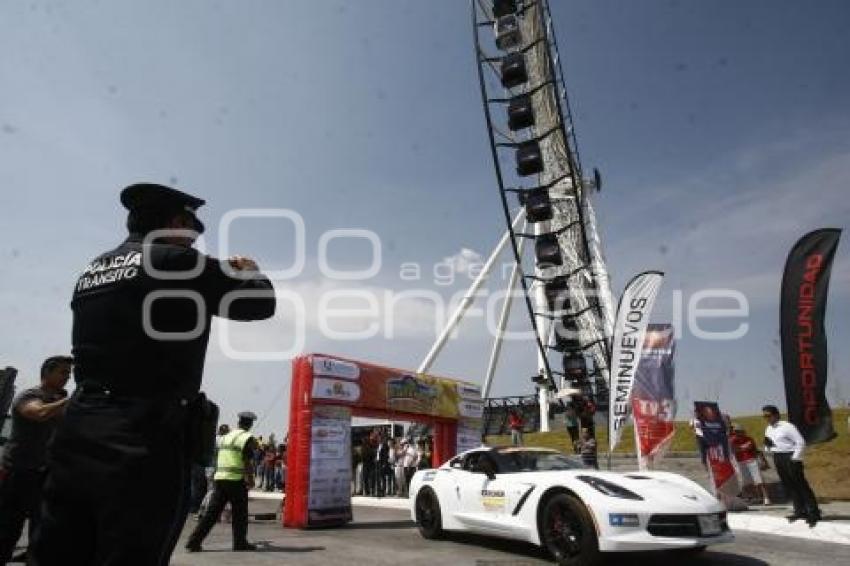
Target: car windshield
x,y
511,461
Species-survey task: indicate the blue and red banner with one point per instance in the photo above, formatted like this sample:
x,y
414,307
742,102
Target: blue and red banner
x,y
710,428
654,395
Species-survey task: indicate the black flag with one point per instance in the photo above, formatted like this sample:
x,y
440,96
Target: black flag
x,y
804,356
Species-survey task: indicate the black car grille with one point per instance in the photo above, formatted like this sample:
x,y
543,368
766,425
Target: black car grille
x,y
679,526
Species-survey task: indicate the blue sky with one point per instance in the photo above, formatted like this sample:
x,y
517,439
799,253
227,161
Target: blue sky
x,y
721,130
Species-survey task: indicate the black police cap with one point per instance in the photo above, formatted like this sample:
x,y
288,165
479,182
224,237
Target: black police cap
x,y
151,196
247,416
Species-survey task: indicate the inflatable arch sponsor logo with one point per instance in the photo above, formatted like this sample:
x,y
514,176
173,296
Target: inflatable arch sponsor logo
x,y
471,409
469,392
335,390
330,367
329,432
406,393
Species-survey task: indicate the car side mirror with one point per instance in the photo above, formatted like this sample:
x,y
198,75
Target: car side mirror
x,y
484,469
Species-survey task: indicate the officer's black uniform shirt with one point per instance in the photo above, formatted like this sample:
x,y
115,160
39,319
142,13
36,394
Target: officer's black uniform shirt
x,y
110,343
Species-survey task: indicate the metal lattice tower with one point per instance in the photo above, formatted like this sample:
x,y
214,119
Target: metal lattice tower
x,y
536,159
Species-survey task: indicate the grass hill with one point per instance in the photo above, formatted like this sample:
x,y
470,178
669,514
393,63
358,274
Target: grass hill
x,y
827,464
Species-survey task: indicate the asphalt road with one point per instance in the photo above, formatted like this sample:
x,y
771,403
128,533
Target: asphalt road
x,y
387,536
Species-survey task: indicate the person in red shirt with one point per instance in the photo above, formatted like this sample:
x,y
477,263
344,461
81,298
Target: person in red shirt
x,y
746,453
516,422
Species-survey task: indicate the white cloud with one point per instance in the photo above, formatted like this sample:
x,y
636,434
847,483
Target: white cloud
x,y
464,260
307,310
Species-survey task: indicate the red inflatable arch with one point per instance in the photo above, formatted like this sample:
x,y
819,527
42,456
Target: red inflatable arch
x,y
326,392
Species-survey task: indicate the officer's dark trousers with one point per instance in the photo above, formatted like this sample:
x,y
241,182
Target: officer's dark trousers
x,y
794,482
116,484
20,496
199,487
235,492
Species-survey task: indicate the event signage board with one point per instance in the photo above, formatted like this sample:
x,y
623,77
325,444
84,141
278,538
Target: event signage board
x,y
469,392
629,330
468,434
471,409
329,499
654,395
331,367
804,353
336,390
710,428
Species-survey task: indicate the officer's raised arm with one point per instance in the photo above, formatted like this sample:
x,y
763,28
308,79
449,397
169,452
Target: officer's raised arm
x,y
236,289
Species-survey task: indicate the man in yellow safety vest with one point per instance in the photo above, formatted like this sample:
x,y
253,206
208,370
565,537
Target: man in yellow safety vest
x,y
233,477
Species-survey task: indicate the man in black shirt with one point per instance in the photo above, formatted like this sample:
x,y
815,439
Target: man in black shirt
x,y
117,489
382,463
35,413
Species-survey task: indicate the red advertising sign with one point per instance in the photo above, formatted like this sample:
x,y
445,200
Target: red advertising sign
x,y
654,395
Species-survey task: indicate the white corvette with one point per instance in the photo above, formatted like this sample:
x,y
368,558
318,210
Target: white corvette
x,y
551,500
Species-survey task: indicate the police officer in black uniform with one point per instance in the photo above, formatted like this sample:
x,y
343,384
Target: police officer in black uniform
x,y
116,492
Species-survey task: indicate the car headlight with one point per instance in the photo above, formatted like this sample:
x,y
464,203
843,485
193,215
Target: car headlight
x,y
609,489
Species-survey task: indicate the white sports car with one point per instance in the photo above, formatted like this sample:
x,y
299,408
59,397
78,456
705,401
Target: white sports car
x,y
549,499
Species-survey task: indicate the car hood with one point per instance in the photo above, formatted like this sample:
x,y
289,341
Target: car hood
x,y
649,485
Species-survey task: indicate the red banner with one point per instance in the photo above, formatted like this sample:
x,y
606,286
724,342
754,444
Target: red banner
x,y
710,428
654,395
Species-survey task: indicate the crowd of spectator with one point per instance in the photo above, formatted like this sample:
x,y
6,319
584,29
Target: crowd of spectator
x,y
270,464
383,466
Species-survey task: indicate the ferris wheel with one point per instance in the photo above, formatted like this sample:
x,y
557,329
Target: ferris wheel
x,y
562,275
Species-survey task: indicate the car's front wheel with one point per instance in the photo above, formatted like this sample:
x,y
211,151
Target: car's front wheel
x,y
428,517
567,532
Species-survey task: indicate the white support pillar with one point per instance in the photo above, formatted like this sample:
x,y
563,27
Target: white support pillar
x,y
541,305
468,298
503,322
544,408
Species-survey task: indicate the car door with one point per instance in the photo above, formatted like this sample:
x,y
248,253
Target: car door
x,y
483,500
469,485
501,496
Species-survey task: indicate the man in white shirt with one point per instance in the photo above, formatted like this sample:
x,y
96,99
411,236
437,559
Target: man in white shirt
x,y
786,444
398,468
410,459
